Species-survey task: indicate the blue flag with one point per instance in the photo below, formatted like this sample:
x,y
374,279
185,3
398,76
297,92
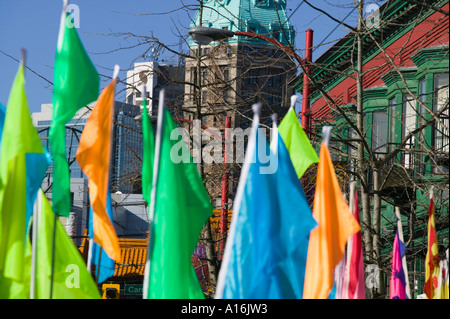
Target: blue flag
x,y
265,254
2,121
107,265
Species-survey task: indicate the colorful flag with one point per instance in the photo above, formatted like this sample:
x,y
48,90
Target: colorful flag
x,y
442,289
300,149
71,279
181,209
398,281
23,164
353,286
75,85
148,152
336,224
93,155
265,253
432,257
107,265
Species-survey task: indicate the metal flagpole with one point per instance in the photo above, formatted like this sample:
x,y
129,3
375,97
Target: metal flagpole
x,y
53,255
158,137
35,227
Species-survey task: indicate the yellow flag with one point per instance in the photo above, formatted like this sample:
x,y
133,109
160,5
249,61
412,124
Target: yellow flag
x,y
432,257
93,155
327,241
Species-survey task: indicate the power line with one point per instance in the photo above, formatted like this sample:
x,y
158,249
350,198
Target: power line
x,y
315,47
9,56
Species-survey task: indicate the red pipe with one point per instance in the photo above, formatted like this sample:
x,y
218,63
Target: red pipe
x,y
306,90
223,224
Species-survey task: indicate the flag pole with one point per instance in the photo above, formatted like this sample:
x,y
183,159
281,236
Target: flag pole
x,y
53,255
158,138
404,265
349,247
35,228
238,199
98,263
34,225
59,44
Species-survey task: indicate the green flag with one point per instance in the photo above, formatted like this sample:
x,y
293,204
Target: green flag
x,y
76,84
148,150
71,279
300,149
182,207
22,167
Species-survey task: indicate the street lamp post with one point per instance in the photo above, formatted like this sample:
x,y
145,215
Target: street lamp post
x,y
205,35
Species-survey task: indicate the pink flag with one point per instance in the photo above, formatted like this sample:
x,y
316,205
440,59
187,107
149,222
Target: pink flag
x,y
353,286
398,283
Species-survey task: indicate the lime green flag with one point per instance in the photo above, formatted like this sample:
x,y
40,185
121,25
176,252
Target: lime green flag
x,y
300,149
182,207
71,279
148,153
21,173
76,84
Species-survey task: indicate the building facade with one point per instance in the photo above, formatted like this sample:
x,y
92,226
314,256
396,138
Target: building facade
x,y
224,78
406,121
155,77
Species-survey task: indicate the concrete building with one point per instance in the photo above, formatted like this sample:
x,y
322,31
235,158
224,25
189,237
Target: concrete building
x,y
155,77
224,78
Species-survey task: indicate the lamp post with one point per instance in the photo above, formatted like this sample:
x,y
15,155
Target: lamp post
x,y
205,35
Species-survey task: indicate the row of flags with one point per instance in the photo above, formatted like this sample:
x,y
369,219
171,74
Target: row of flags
x,y
277,247
436,270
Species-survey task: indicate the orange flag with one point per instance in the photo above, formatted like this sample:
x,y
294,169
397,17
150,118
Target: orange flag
x,y
93,155
327,241
432,258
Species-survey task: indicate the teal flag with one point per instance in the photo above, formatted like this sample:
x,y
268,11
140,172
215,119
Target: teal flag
x,y
267,244
2,121
76,84
182,207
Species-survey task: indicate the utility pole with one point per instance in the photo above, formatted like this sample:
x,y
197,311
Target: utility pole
x,y
362,169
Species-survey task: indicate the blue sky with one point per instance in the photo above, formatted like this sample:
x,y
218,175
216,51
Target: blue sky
x,y
33,25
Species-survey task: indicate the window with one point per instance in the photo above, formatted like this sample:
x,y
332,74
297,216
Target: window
x,y
229,52
251,77
204,76
441,138
409,124
226,73
379,133
392,118
262,3
277,80
420,156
